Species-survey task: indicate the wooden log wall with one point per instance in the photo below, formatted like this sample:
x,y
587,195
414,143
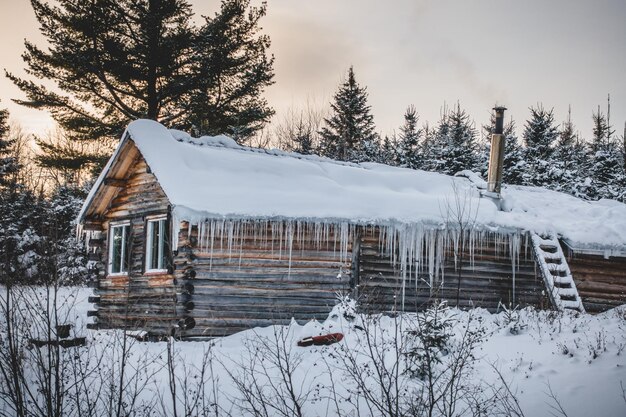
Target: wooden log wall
x,y
485,283
252,282
601,283
136,301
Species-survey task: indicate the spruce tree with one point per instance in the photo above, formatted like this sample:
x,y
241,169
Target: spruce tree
x,y
349,133
606,160
570,162
389,150
622,148
540,134
370,151
19,214
302,137
435,142
602,132
409,153
455,146
8,164
114,61
429,147
231,71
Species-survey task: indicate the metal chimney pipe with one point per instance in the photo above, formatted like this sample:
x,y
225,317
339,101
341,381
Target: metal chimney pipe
x,y
496,157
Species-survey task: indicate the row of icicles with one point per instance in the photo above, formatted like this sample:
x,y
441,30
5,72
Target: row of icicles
x,y
416,249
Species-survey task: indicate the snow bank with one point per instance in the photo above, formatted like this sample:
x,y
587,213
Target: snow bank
x,y
580,357
214,178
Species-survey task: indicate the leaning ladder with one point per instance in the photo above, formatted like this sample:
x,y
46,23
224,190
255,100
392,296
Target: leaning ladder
x,y
556,273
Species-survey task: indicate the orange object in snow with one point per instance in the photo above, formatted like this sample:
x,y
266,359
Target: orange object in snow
x,y
327,339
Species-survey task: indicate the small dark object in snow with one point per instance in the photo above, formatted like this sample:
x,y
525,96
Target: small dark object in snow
x,y
63,330
327,339
65,343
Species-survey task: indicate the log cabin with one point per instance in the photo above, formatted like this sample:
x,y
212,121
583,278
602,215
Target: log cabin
x,y
201,237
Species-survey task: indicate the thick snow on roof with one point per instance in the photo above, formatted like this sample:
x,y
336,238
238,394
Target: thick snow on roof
x,y
213,177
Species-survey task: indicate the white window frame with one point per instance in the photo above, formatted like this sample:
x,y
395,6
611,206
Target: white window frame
x,y
161,245
126,230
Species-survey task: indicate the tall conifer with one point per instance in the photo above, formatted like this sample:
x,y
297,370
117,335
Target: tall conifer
x,y
409,152
540,134
349,133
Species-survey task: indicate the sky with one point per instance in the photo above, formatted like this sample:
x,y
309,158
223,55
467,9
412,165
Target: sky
x,y
559,53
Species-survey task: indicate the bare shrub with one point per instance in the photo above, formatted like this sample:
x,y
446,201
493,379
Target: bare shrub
x,y
269,376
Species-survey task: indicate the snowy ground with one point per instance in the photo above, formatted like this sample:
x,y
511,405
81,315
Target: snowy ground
x,y
580,358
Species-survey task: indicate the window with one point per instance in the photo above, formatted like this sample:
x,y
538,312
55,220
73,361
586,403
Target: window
x,y
118,246
156,246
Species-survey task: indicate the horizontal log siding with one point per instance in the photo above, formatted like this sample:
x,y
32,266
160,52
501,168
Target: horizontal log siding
x,y
143,301
601,283
255,282
484,284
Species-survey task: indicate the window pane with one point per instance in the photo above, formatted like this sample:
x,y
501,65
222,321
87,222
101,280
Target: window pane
x,y
164,243
119,237
125,240
156,245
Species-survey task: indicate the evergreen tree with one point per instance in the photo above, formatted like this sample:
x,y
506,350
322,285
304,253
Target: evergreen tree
x,y
370,151
602,132
389,150
63,257
606,160
430,148
409,155
349,132
231,70
302,139
540,134
8,164
622,148
19,214
115,61
570,165
119,60
455,146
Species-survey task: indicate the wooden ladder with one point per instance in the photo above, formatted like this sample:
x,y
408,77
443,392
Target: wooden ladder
x,y
556,273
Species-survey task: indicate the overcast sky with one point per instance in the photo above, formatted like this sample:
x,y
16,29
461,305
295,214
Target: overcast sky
x,y
479,52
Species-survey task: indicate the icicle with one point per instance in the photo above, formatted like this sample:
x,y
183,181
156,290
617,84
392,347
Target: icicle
x,y
289,237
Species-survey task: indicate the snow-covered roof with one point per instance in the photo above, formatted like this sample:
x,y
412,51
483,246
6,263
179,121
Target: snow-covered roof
x,y
213,177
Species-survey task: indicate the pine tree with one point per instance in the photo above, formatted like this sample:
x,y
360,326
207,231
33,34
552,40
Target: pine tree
x,y
231,70
602,132
350,128
622,148
606,160
370,151
114,60
570,162
540,134
19,213
389,151
429,148
455,146
119,60
8,164
409,152
302,140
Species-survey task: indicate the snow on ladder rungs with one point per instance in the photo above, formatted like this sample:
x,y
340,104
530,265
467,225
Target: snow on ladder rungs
x,y
564,295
